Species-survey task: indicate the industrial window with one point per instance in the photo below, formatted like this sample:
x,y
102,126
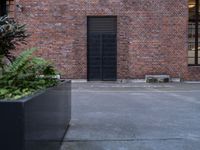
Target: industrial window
x,y
3,8
194,33
7,8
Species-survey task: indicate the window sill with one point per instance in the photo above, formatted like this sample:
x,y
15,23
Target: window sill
x,y
194,66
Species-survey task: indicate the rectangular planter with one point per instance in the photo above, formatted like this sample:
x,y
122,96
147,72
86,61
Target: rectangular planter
x,y
38,122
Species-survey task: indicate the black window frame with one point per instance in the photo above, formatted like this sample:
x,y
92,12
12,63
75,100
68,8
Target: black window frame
x,y
197,38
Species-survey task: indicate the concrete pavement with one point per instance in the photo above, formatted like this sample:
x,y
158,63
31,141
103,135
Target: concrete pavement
x,y
134,116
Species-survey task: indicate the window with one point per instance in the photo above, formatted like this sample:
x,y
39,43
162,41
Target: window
x,y
3,8
7,7
194,33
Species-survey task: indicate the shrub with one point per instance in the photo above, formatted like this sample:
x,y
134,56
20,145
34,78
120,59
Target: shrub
x,y
11,35
25,75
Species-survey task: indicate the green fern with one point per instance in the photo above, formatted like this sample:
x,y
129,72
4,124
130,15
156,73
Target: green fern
x,y
21,61
24,74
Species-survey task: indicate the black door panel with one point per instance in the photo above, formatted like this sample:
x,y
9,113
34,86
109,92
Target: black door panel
x,y
94,57
102,50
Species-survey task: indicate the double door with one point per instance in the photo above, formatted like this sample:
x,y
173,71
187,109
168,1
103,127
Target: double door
x,y
102,50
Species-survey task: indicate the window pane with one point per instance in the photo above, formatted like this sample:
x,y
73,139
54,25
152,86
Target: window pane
x,y
191,31
192,3
191,37
192,7
191,46
2,7
191,61
191,53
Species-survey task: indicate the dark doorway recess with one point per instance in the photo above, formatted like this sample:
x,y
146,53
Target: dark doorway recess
x,y
102,48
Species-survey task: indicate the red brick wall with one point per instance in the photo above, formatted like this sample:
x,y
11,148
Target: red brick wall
x,y
152,35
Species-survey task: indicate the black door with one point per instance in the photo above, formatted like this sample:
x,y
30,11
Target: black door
x,y
102,48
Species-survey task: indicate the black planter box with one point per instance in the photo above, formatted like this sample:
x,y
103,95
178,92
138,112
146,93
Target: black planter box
x,y
38,122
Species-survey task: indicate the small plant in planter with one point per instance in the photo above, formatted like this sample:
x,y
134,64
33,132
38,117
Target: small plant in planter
x,y
22,77
35,107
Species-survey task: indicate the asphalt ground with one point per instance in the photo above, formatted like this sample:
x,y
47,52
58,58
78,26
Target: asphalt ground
x,y
134,116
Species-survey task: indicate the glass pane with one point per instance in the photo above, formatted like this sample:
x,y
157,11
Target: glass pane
x,y
1,11
191,36
2,7
191,61
191,53
192,3
191,31
192,7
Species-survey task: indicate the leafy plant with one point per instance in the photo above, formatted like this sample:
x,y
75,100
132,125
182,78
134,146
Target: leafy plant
x,y
25,75
11,35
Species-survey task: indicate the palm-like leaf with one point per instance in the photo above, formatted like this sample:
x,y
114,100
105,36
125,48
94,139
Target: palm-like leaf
x,y
11,34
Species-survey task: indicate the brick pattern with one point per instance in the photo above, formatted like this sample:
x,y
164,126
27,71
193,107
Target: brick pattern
x,y
152,35
11,8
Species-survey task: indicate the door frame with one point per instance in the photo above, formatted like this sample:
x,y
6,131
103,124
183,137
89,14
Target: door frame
x,y
88,61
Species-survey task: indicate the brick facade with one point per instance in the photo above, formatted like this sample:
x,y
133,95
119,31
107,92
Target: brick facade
x,y
152,35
